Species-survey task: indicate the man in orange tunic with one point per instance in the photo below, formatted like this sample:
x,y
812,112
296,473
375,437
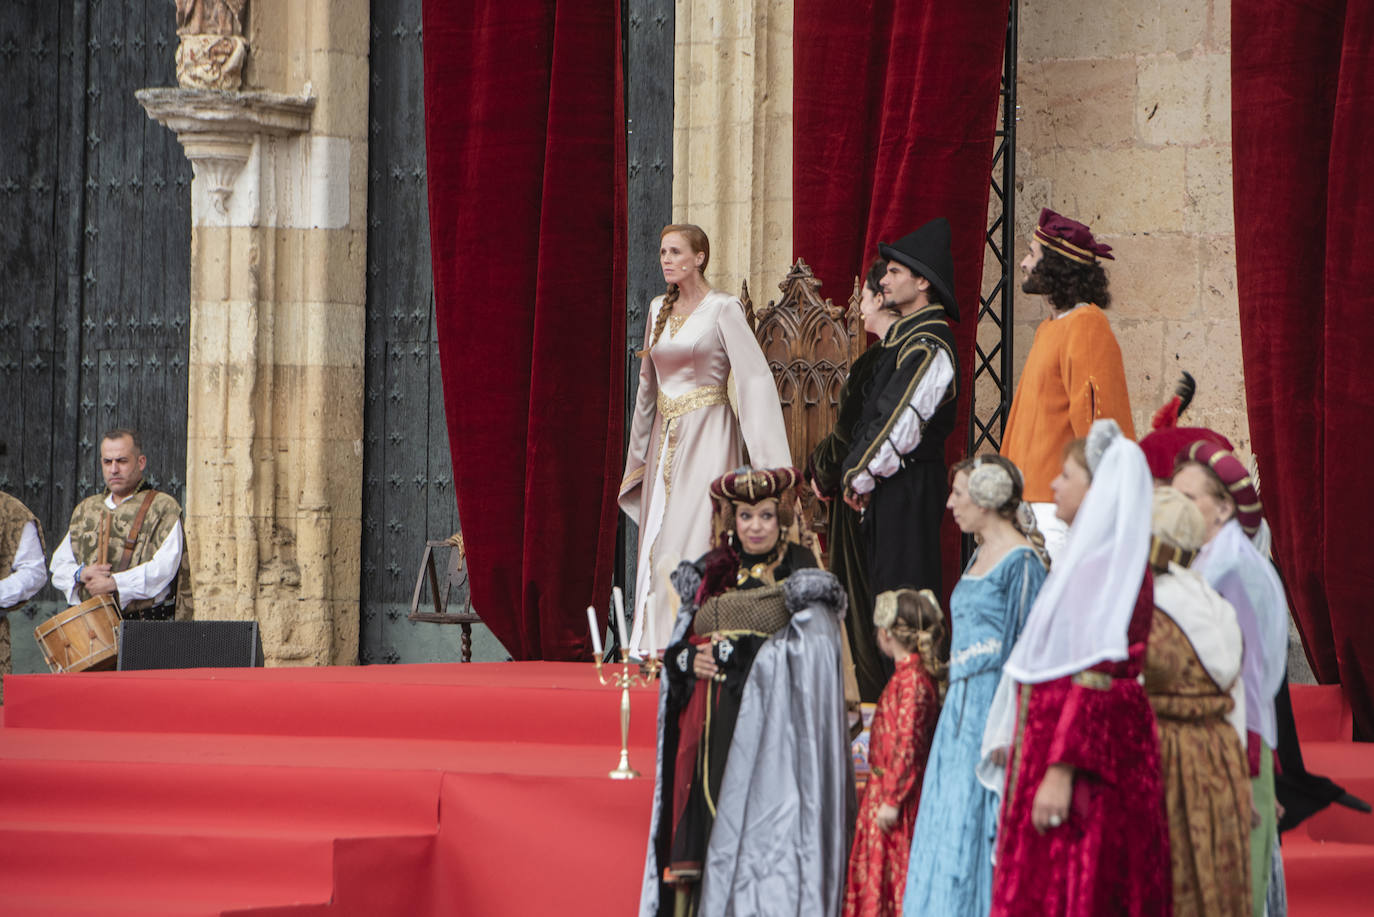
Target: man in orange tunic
x,y
1073,374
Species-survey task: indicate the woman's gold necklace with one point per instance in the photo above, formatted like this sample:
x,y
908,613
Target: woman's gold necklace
x,y
755,571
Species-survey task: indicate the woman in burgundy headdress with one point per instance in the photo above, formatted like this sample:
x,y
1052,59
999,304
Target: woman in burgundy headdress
x,y
753,677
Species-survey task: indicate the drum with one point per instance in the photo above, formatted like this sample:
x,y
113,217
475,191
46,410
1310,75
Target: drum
x,y
82,638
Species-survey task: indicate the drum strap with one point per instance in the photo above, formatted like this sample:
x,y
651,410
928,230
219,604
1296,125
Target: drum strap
x,y
132,540
102,544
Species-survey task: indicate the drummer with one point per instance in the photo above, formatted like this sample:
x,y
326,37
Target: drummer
x,y
21,564
126,542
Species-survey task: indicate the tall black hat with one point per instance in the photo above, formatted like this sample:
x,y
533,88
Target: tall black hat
x,y
926,252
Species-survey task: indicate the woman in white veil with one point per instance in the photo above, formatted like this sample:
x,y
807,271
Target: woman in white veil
x,y
1082,829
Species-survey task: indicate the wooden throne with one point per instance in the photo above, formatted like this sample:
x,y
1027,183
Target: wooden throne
x,y
809,343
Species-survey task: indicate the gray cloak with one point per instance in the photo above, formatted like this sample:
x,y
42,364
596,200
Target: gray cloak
x,y
784,817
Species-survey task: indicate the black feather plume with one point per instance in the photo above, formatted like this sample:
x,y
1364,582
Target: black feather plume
x,y
1186,388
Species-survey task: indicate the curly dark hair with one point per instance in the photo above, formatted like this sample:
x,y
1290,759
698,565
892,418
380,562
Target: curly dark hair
x,y
1068,283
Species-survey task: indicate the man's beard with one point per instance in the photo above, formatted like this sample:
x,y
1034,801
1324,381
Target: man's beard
x,y
1034,283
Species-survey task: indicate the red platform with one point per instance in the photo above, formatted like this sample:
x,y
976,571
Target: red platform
x,y
1328,860
415,790
407,790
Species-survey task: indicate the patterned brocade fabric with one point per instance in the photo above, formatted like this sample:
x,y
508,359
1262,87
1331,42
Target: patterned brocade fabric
x,y
761,611
1111,854
898,747
13,517
1206,779
88,519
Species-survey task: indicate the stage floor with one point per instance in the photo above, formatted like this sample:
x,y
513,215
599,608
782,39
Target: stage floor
x,y
409,790
426,789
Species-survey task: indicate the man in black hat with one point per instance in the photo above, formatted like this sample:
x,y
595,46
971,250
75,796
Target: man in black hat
x,y
895,470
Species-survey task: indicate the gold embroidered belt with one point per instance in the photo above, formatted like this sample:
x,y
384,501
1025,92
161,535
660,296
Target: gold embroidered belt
x,y
698,398
1098,681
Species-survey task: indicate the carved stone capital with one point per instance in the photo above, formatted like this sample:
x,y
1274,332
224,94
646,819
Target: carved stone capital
x,y
218,129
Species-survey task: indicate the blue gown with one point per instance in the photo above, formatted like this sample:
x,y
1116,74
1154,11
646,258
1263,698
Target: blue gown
x,y
950,870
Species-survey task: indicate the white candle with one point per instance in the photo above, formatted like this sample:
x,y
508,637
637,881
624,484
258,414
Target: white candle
x,y
596,631
653,637
620,617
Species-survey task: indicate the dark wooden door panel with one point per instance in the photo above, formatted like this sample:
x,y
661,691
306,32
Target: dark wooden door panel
x,y
94,250
407,473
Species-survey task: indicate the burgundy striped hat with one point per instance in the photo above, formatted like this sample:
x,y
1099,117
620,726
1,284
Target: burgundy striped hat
x,y
1223,462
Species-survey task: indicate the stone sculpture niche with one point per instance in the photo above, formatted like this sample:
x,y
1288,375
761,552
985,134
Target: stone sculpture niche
x,y
212,49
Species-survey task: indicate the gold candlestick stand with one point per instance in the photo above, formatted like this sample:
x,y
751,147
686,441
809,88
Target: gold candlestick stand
x,y
623,679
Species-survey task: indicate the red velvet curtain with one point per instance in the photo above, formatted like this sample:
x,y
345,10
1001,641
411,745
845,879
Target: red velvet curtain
x,y
895,112
525,139
1303,131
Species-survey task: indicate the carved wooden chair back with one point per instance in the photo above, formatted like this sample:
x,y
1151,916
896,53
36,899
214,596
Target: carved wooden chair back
x,y
809,343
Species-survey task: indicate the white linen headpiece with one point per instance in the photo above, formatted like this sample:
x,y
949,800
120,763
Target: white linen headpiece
x,y
1084,607
1233,566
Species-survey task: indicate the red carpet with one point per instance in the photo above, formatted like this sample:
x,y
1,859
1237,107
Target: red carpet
x,y
414,790
1329,859
408,790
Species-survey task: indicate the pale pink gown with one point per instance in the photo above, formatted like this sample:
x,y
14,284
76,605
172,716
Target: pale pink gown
x,y
685,433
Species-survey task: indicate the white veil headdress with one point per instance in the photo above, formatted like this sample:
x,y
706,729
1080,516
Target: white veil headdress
x,y
1083,610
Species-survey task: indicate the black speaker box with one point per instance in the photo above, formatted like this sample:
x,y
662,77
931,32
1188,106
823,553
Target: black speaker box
x,y
189,645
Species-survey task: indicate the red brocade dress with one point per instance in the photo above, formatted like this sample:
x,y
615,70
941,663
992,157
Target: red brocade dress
x,y
1111,855
899,742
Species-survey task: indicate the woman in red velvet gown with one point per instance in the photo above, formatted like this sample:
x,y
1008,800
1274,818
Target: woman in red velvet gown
x,y
909,627
1083,832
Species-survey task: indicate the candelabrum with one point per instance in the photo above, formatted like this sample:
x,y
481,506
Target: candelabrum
x,y
623,677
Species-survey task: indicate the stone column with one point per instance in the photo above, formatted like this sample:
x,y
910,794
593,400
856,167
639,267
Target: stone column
x,y
274,451
732,138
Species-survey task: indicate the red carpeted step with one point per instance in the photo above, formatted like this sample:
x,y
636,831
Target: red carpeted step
x,y
371,879
166,797
192,871
597,755
1327,879
17,904
495,702
241,816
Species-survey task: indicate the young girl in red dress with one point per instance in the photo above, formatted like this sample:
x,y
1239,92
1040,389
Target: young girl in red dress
x,y
910,628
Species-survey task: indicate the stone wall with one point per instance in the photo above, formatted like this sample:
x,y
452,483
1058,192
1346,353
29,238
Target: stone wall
x,y
1126,125
732,137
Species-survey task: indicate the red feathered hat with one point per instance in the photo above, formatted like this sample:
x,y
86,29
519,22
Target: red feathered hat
x,y
1166,441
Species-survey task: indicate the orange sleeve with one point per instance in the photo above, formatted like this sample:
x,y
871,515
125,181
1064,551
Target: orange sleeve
x,y
1094,376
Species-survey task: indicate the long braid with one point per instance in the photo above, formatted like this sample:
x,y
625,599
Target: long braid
x,y
661,320
930,659
1024,520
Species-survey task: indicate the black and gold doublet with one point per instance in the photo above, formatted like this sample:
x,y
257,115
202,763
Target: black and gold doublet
x,y
901,525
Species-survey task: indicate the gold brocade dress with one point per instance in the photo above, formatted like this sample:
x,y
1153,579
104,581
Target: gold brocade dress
x,y
1206,780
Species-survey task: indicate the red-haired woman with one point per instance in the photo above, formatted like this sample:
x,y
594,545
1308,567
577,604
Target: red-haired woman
x,y
685,432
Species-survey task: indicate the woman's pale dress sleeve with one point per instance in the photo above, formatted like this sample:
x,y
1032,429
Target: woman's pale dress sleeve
x,y
642,426
760,414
